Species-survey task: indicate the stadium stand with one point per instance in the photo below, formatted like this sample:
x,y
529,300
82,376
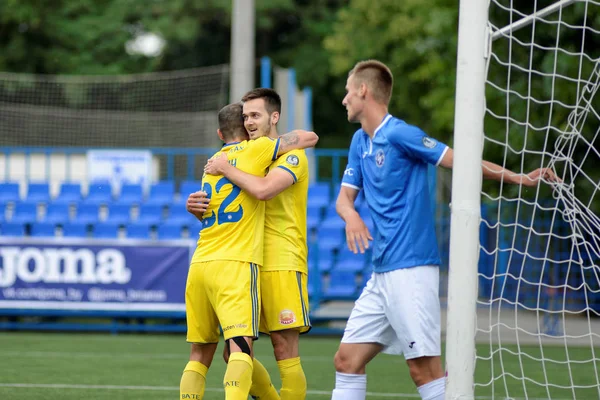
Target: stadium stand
x,y
57,213
69,193
75,230
9,192
336,273
131,194
38,192
161,193
25,212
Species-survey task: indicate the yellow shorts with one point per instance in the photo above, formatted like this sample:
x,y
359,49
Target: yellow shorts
x,y
224,293
284,297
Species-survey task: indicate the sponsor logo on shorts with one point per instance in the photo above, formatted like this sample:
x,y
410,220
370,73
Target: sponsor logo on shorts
x,y
238,326
412,344
287,317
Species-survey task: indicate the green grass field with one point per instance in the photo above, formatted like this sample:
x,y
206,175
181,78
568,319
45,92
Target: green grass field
x,y
102,366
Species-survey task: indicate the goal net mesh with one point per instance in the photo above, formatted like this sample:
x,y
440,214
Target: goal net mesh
x,y
539,270
163,109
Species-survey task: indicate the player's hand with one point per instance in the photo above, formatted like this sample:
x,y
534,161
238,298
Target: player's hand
x,y
357,234
197,203
217,165
546,174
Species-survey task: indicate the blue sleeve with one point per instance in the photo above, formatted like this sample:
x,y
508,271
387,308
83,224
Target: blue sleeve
x,y
353,173
417,145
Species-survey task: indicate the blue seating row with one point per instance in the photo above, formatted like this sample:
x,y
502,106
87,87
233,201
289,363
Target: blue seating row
x,y
102,193
105,230
58,213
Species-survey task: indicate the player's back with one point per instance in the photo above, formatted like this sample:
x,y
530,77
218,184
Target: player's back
x,y
285,218
233,224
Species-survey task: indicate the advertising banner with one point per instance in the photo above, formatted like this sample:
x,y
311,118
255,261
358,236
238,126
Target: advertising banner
x,y
120,166
84,274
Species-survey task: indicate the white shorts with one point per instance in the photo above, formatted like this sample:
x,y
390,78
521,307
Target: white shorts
x,y
400,310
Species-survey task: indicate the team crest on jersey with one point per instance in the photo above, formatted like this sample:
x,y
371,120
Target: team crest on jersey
x,y
429,142
379,158
287,317
292,160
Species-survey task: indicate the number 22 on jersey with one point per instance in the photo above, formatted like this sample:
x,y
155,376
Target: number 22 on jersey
x,y
222,216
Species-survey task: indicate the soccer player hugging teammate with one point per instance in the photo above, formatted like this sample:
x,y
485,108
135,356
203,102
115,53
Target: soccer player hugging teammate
x,y
398,311
223,286
283,276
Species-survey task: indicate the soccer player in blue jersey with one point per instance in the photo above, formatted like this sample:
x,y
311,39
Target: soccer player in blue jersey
x,y
398,311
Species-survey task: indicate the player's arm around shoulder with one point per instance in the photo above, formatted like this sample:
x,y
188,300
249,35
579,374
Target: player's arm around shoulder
x,y
284,172
261,188
297,139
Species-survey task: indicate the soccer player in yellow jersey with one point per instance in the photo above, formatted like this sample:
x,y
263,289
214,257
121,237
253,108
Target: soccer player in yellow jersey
x,y
283,275
223,285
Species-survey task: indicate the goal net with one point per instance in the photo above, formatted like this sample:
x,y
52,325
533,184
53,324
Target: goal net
x,y
538,325
162,109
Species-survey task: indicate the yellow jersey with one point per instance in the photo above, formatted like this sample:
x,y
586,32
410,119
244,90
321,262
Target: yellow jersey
x,y
233,224
285,218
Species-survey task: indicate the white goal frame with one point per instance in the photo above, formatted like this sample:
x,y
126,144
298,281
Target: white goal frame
x,y
474,39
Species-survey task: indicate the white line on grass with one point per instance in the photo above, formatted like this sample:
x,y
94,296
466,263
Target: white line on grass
x,y
175,388
182,356
170,388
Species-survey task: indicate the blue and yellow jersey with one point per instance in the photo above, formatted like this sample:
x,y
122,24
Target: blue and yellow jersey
x,y
285,218
233,224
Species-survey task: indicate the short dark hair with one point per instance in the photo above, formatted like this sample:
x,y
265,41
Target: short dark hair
x,y
231,122
270,96
377,76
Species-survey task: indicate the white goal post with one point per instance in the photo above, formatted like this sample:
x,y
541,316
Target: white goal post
x,y
524,273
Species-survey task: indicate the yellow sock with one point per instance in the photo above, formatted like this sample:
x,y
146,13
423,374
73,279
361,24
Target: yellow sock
x,y
262,388
293,381
193,381
238,376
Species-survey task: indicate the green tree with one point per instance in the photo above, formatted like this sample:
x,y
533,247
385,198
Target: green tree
x,y
417,40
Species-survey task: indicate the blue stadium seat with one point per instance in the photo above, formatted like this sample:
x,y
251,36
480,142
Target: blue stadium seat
x,y
331,212
189,187
161,193
9,192
57,213
106,230
12,229
119,213
75,229
43,229
178,214
313,217
130,194
150,213
99,193
330,238
25,212
136,230
2,212
69,193
87,213
318,195
348,261
325,260
38,192
342,285
334,221
365,278
169,231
